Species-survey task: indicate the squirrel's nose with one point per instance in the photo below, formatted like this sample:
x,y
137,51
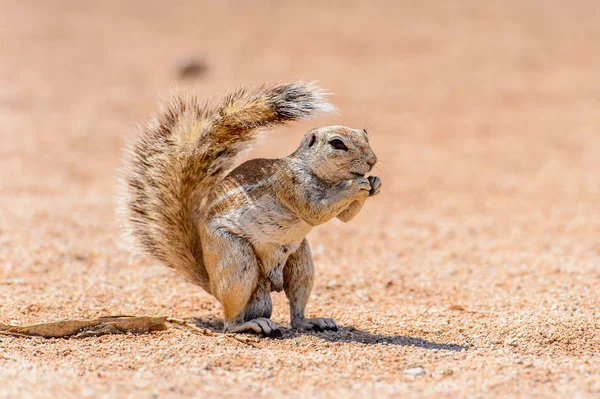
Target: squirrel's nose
x,y
371,162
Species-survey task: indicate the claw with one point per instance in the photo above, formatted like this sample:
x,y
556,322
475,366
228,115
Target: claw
x,y
316,324
262,326
275,334
375,183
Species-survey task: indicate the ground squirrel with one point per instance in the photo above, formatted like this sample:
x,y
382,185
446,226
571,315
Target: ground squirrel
x,y
242,235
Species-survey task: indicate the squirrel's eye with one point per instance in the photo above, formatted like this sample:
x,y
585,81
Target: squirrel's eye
x,y
338,144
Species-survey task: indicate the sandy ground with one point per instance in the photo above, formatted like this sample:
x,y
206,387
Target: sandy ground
x,y
479,262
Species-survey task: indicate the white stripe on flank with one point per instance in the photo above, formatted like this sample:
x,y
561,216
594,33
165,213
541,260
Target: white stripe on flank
x,y
241,189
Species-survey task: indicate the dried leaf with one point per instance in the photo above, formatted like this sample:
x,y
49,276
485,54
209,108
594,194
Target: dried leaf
x,y
86,328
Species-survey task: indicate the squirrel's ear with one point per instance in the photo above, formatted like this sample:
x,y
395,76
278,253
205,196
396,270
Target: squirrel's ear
x,y
312,140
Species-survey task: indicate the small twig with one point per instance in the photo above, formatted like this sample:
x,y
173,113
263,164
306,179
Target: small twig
x,y
244,339
205,331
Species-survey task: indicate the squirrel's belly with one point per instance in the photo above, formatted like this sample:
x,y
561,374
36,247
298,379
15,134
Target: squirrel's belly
x,y
274,231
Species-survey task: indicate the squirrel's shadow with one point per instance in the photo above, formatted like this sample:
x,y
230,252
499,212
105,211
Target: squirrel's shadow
x,y
348,334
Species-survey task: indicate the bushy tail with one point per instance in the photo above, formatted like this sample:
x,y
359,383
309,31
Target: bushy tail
x,y
175,159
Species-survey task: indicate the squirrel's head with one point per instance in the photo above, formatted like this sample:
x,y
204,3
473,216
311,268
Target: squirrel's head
x,y
337,153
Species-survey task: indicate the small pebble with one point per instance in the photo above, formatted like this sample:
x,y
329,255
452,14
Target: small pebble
x,y
415,371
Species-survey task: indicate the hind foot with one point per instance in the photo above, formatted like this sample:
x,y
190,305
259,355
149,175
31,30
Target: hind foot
x,y
316,324
262,326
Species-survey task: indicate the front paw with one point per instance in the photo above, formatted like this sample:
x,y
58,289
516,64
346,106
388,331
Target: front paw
x,y
315,324
375,185
360,187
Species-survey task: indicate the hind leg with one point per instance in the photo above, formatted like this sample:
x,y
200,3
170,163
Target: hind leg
x,y
256,317
298,277
236,282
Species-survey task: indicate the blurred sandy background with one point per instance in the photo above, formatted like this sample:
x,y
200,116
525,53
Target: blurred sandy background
x,y
479,261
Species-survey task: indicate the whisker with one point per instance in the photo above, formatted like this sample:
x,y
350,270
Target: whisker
x,y
372,126
380,167
366,123
383,161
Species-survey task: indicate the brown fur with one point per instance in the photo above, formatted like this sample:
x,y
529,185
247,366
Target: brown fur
x,y
242,236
